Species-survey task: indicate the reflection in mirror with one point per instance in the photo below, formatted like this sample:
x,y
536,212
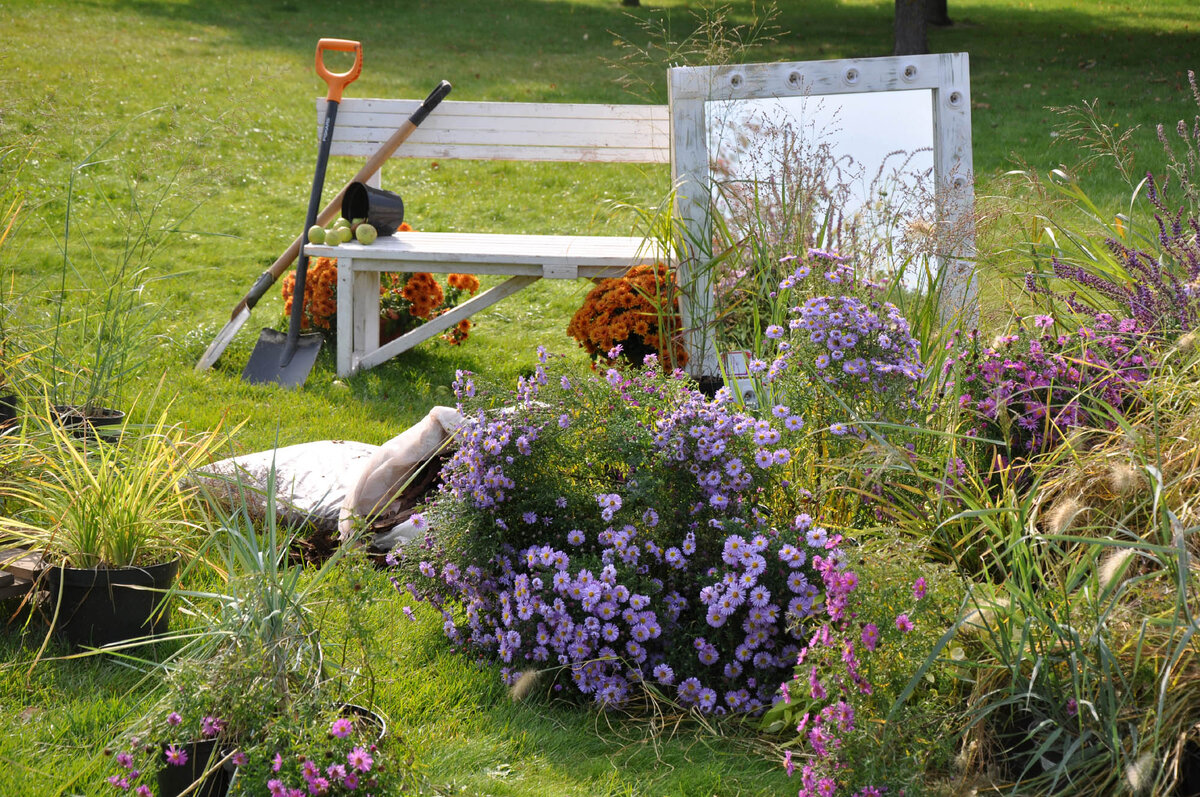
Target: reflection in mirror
x,y
851,173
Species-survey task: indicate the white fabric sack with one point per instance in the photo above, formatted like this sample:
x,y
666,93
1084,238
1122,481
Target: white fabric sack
x,y
312,480
380,498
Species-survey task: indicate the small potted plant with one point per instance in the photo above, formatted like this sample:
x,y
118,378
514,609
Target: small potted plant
x,y
110,523
251,702
113,230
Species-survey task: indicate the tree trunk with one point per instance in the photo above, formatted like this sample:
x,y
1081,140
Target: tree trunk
x,y
910,28
936,13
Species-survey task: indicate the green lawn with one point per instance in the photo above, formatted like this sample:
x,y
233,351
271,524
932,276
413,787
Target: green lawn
x,y
234,85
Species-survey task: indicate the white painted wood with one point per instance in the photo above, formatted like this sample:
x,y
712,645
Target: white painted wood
x,y
525,258
487,131
946,75
436,326
690,176
345,316
507,131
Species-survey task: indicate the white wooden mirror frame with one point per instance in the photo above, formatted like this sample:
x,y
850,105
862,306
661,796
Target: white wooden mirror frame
x,y
946,75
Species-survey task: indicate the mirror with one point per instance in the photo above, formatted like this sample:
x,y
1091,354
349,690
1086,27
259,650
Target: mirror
x,y
863,155
820,171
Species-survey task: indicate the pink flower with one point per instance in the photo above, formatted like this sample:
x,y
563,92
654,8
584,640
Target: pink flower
x,y
211,726
125,760
870,636
919,588
276,787
903,623
318,786
174,719
176,757
360,759
276,763
341,728
143,791
239,759
787,763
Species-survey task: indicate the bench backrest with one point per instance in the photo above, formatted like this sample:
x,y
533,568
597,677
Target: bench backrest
x,y
520,131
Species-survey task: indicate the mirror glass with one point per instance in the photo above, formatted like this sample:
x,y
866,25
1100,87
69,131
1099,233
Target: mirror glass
x,y
848,172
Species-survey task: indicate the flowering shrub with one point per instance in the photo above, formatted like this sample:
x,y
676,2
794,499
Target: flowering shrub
x,y
1032,387
307,750
825,699
339,756
1159,291
620,526
406,300
629,312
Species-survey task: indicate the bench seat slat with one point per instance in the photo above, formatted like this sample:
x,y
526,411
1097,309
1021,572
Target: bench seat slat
x,y
409,250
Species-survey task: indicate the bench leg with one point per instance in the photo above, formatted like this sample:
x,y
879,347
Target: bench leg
x,y
443,322
345,317
357,315
366,315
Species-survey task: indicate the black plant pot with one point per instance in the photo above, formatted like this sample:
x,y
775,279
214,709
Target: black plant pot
x,y
8,410
102,422
366,719
103,606
175,779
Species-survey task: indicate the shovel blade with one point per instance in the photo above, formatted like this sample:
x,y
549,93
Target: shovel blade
x,y
266,361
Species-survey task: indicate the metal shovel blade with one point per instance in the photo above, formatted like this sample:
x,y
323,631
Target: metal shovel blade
x,y
266,361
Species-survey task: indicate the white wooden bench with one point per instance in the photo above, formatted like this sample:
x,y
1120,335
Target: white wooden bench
x,y
483,131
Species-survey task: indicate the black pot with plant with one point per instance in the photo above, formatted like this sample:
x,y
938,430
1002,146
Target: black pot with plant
x,y
110,524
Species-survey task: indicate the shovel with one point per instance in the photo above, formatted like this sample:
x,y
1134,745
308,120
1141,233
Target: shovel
x,y
288,360
241,312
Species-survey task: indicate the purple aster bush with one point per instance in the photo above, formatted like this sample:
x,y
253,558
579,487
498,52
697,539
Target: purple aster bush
x,y
634,545
846,359
1032,388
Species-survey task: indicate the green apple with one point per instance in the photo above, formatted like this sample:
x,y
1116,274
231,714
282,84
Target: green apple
x,y
366,234
347,234
316,234
333,236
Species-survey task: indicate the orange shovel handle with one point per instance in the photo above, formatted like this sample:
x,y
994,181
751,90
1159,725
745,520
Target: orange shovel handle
x,y
337,81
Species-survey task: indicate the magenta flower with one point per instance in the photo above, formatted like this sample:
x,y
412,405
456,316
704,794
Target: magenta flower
x,y
360,760
176,757
341,728
870,636
276,762
143,791
919,588
239,759
903,623
276,787
211,726
174,719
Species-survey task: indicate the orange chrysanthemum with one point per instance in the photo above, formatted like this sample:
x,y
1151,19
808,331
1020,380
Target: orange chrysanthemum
x,y
629,310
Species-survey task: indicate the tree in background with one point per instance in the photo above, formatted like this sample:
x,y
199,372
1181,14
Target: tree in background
x,y
909,28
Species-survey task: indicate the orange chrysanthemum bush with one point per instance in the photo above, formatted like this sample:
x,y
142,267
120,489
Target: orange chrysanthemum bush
x,y
630,311
406,300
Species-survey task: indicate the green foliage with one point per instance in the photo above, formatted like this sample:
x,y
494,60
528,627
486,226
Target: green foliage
x,y
92,502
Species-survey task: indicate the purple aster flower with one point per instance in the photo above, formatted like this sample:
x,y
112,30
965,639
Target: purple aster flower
x,y
176,756
360,759
341,728
903,623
